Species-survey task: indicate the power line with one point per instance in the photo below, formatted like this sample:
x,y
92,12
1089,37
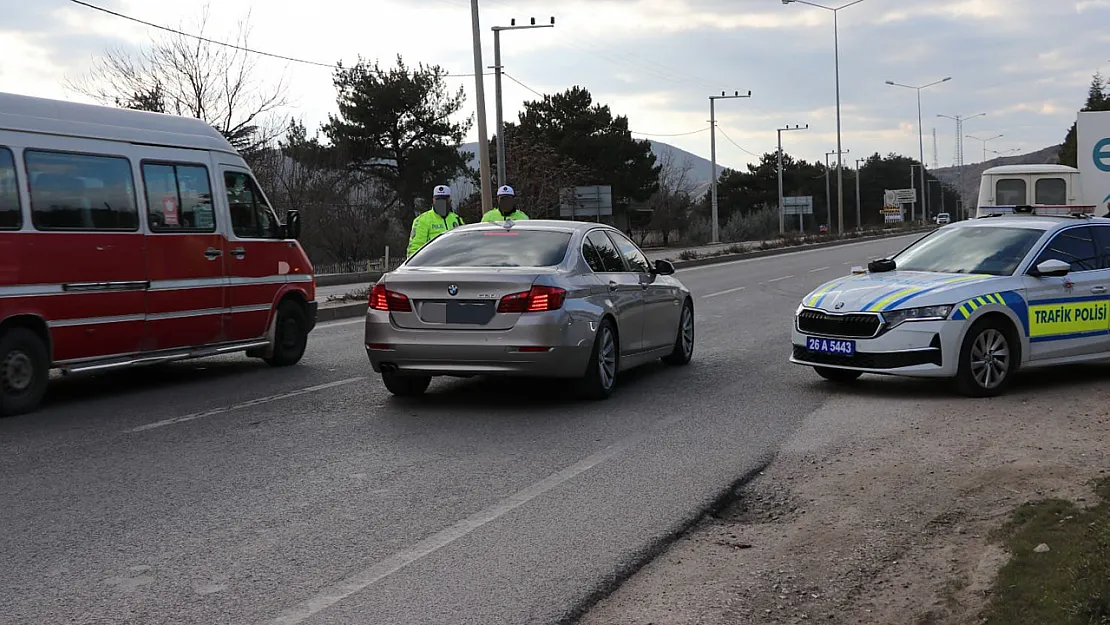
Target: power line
x,y
219,43
507,75
677,134
645,134
722,131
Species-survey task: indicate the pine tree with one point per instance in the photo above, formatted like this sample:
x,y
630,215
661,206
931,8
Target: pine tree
x,y
1098,99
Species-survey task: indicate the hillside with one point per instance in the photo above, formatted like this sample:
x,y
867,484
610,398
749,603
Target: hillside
x,y
972,171
699,167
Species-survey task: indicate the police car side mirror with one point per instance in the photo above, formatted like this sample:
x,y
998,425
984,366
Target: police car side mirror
x,y
1051,268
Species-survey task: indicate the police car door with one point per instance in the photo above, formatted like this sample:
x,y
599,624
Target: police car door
x,y
1068,315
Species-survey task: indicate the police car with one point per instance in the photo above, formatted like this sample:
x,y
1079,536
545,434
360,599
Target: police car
x,y
972,301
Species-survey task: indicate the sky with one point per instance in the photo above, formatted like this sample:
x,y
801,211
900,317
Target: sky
x,y
1027,64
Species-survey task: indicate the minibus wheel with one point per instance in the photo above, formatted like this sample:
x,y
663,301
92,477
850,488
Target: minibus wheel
x,y
290,335
24,371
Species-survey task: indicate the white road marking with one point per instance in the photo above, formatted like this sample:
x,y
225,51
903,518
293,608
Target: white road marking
x,y
818,269
798,253
737,289
364,579
246,404
779,279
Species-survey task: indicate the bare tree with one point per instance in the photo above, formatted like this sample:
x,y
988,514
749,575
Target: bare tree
x,y
189,76
671,205
538,173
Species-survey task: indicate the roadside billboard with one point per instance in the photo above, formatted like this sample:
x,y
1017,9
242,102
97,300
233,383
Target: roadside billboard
x,y
1093,134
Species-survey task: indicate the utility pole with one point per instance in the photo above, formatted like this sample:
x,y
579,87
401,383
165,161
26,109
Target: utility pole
x,y
782,200
828,190
920,140
498,70
859,200
713,156
960,119
480,97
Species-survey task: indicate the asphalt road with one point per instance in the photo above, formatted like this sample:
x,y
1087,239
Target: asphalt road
x,y
223,491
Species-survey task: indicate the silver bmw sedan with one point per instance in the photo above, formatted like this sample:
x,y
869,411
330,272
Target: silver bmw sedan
x,y
538,298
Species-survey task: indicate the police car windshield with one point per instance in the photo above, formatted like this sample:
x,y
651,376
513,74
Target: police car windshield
x,y
980,250
494,248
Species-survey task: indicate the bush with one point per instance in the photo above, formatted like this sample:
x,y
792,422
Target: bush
x,y
757,225
698,231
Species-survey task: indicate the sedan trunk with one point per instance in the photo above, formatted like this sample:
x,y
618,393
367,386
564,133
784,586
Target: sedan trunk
x,y
443,297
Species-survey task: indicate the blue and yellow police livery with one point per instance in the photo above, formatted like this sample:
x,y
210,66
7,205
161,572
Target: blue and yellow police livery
x,y
973,301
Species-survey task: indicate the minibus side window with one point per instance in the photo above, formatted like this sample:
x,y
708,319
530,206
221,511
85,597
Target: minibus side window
x,y
81,192
178,198
251,218
11,217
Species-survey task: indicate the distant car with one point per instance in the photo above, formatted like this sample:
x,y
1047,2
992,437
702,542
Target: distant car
x,y
943,218
973,301
538,298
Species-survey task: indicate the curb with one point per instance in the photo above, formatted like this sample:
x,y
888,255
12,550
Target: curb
x,y
358,309
725,258
337,279
342,311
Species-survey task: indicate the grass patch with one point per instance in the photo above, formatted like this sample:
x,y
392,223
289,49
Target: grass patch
x,y
1069,585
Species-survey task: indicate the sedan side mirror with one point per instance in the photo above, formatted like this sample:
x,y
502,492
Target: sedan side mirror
x,y
293,225
1051,268
663,267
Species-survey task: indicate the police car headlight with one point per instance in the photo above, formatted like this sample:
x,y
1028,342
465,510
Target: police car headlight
x,y
800,308
927,313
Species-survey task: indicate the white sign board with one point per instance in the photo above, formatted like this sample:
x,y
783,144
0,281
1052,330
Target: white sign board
x,y
579,202
1093,143
797,205
899,196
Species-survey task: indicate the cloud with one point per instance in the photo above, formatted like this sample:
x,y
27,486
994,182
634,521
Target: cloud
x,y
1025,62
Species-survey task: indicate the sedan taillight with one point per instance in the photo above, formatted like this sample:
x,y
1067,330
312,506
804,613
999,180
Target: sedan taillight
x,y
536,299
382,298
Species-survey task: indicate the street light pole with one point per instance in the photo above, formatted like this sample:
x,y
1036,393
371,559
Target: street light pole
x,y
497,69
920,141
836,58
480,97
713,156
985,143
782,199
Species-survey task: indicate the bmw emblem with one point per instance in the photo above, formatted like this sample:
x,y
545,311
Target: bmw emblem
x,y
452,290
839,305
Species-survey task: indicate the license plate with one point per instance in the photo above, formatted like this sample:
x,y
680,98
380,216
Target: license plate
x,y
831,346
469,313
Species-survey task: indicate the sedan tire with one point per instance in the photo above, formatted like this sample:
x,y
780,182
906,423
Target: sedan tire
x,y
405,385
601,372
683,343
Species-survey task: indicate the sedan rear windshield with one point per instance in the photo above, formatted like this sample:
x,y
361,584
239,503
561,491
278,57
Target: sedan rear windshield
x,y
494,248
981,250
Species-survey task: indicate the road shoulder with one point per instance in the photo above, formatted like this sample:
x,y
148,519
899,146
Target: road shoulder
x,y
880,509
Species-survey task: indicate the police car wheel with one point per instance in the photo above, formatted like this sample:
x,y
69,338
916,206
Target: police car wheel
x,y
683,343
839,376
988,359
24,371
601,372
405,385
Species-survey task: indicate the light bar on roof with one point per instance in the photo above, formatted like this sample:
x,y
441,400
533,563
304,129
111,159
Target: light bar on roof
x,y
1042,211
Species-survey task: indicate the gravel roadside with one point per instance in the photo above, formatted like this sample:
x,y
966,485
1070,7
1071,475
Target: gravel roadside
x,y
880,508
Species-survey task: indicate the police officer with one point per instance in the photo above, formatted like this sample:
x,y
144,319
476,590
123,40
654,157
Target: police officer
x,y
435,221
506,202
